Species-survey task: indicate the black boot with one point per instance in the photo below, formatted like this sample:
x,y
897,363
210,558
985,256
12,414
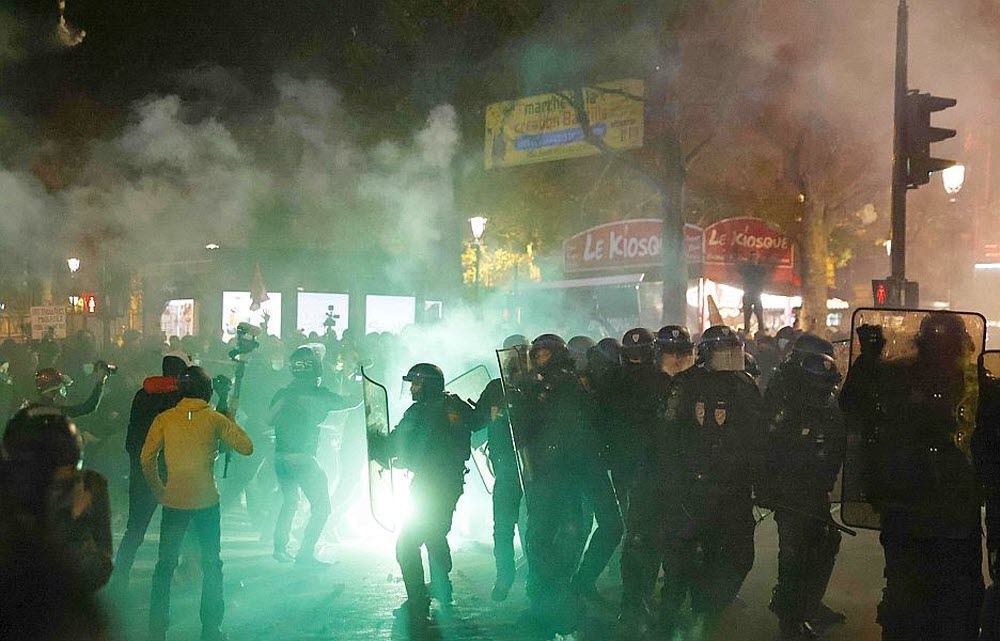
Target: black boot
x,y
501,589
416,612
824,615
796,631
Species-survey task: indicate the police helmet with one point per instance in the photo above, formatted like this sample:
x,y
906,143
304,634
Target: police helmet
x,y
515,340
812,344
42,435
49,379
637,345
673,339
608,351
818,369
943,332
750,365
304,363
721,349
786,336
553,342
195,383
579,346
428,374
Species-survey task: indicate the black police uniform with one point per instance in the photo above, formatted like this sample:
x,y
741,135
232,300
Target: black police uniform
x,y
490,413
432,440
924,490
555,430
805,450
986,456
643,544
634,402
711,454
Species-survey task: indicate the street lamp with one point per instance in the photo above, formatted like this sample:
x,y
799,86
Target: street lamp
x,y
478,224
73,264
953,178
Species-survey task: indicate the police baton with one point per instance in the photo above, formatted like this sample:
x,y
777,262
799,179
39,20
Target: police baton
x,y
828,521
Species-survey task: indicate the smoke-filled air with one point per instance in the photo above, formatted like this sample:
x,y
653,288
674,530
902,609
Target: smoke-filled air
x,y
499,320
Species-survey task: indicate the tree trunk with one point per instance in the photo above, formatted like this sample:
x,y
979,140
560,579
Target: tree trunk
x,y
814,285
675,271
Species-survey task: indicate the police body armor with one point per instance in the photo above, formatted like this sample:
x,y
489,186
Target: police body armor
x,y
715,453
805,435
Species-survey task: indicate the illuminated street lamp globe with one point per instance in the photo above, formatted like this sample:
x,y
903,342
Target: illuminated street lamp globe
x,y
478,224
953,178
73,264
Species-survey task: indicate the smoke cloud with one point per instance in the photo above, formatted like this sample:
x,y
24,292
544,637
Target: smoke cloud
x,y
229,167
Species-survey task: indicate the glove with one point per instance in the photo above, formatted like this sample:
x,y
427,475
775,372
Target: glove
x,y
102,369
872,340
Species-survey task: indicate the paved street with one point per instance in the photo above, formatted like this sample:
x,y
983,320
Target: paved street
x,y
353,599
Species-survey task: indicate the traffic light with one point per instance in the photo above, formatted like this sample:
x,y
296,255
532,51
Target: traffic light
x,y
919,134
887,292
882,293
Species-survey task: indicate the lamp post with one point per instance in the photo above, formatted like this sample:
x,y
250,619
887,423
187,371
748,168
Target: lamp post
x,y
478,224
73,264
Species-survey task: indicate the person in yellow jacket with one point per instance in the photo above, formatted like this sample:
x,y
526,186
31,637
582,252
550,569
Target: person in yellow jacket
x,y
188,436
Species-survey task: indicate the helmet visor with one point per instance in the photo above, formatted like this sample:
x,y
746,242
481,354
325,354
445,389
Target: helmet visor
x,y
726,358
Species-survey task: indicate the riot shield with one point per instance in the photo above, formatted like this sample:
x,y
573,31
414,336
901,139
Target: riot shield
x,y
514,371
468,386
842,354
990,363
910,398
380,483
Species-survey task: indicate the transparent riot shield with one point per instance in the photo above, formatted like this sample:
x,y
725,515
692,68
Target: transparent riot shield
x,y
514,372
910,398
468,386
990,363
842,354
380,482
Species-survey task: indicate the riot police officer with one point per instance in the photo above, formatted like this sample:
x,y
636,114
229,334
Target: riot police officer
x,y
986,455
579,350
710,461
642,548
491,414
554,429
805,449
432,440
636,405
915,421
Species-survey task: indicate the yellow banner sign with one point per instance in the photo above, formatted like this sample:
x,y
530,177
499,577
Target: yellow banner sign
x,y
545,127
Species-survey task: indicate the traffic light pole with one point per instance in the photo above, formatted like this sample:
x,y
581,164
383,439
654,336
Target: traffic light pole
x,y
898,212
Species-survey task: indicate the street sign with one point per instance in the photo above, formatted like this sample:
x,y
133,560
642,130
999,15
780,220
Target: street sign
x,y
48,318
545,127
730,243
625,245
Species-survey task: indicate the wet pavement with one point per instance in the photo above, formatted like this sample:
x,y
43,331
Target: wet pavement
x,y
353,598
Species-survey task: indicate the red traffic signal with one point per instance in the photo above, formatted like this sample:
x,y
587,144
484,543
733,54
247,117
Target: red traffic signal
x,y
919,134
881,293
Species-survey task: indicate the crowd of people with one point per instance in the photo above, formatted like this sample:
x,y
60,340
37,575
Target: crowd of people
x,y
660,446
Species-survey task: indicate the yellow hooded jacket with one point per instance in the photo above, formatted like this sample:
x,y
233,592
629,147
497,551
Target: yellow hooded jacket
x,y
189,436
